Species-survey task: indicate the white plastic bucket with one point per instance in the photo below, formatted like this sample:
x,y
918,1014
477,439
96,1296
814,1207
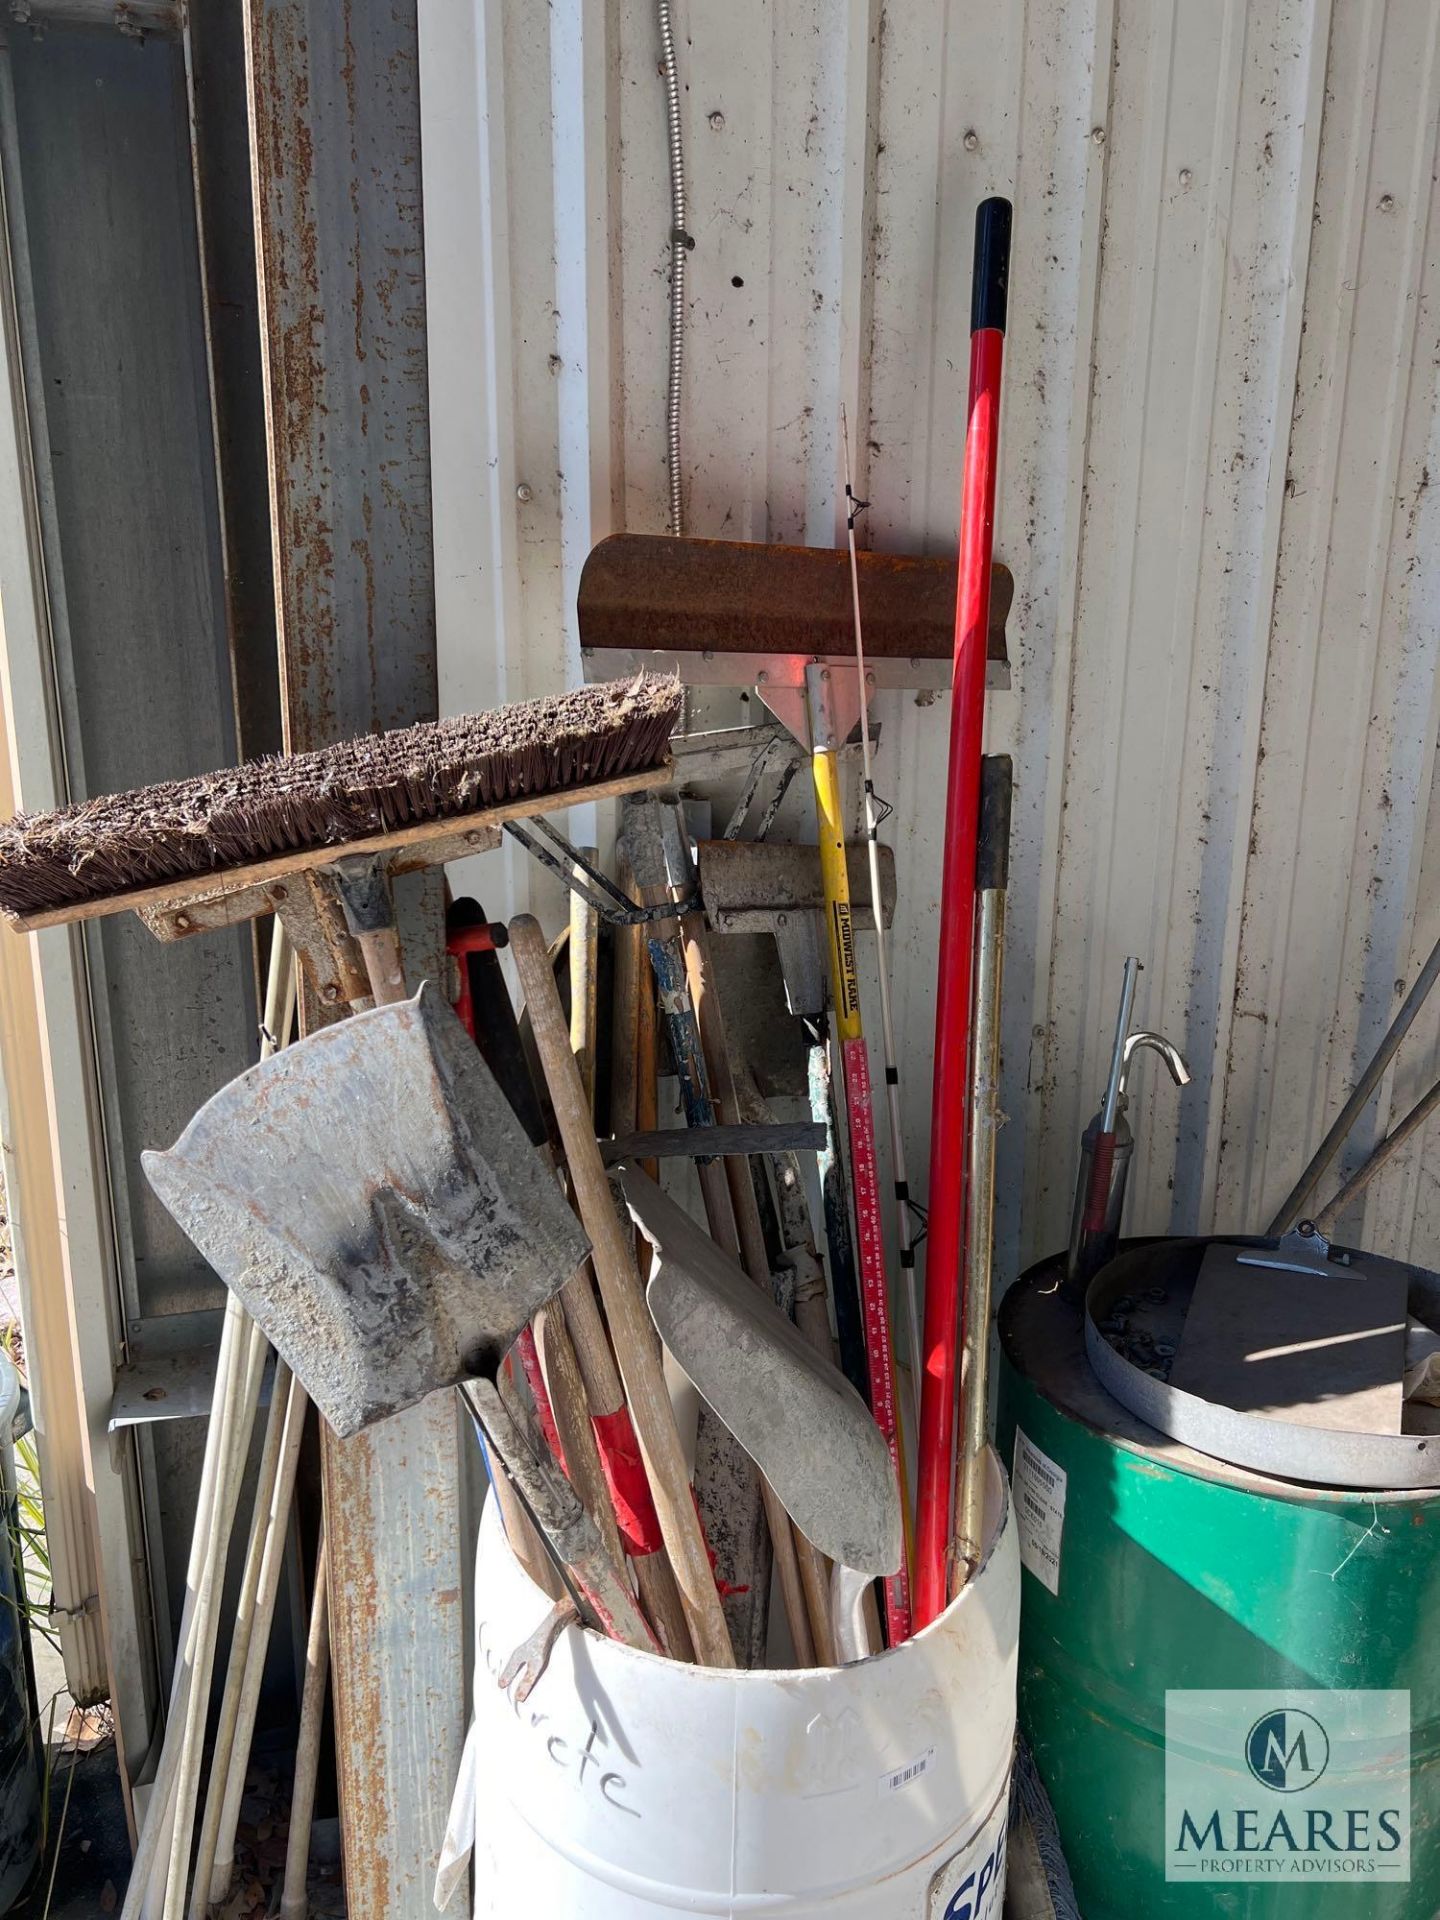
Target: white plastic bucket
x,y
629,1787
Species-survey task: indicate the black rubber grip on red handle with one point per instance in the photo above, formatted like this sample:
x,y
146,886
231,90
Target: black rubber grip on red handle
x,y
992,847
990,284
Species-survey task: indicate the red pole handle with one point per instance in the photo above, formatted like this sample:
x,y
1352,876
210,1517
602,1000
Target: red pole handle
x,y
1097,1200
945,1241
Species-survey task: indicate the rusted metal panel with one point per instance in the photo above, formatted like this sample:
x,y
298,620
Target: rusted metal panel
x,y
399,1690
335,109
734,597
214,39
335,112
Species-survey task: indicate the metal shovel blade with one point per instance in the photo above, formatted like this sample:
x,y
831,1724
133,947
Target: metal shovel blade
x,y
798,1418
372,1199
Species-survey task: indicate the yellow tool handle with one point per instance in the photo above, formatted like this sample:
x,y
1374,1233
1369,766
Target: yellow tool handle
x,y
835,873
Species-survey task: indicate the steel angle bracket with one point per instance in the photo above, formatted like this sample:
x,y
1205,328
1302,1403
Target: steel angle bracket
x,y
1316,1456
815,700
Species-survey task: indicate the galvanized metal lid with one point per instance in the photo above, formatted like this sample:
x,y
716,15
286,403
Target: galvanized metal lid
x,y
1134,1320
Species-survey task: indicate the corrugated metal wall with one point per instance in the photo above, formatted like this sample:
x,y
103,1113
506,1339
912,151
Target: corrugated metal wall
x,y
1219,437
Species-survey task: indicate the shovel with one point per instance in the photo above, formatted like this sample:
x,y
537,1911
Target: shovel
x,y
380,1212
798,1417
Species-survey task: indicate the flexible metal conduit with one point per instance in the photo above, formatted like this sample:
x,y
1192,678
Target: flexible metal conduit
x,y
679,246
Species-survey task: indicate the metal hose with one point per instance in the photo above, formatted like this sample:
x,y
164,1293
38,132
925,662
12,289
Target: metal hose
x,y
679,246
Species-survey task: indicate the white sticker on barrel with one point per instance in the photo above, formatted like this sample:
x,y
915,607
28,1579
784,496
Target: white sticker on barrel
x,y
1039,1495
900,1777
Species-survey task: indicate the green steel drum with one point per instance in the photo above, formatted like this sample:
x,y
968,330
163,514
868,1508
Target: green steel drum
x,y
1151,1570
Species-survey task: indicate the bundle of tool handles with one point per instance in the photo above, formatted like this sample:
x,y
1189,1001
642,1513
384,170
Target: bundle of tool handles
x,y
481,1206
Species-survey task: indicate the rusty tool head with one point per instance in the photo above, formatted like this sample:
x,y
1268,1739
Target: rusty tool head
x,y
373,1201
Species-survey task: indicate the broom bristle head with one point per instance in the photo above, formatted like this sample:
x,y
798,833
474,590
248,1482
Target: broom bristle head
x,y
304,802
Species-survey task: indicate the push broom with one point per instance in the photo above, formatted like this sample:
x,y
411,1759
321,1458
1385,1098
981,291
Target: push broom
x,y
944,1270
316,838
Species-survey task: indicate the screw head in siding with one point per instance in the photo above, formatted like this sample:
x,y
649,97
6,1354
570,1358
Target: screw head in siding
x,y
1097,134
971,140
717,121
1186,176
1387,203
524,493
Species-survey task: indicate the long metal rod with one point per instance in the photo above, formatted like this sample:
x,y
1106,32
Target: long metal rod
x,y
1111,1105
984,1125
1379,1159
904,1222
570,863
1310,1179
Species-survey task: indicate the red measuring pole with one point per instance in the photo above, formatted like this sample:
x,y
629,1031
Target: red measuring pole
x,y
945,1239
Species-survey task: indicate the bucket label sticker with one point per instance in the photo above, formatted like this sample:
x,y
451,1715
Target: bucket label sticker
x,y
1038,1492
1290,1784
900,1777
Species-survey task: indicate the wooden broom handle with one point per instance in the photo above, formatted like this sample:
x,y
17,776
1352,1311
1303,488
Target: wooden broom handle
x,y
380,951
614,1259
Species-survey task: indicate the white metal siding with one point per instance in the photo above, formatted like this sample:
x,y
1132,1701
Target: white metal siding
x,y
1219,436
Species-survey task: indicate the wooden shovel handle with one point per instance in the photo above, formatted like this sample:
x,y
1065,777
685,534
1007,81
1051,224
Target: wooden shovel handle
x,y
625,1308
804,1572
572,1418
